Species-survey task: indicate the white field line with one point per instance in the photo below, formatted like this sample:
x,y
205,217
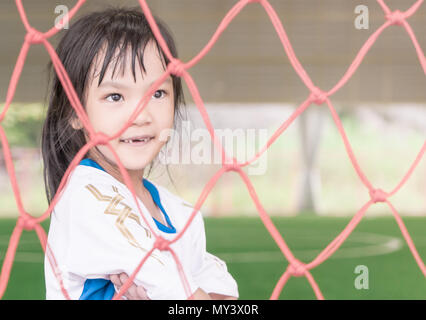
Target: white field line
x,y
26,257
375,245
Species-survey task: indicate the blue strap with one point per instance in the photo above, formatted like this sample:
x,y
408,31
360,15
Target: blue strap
x,y
156,198
97,289
152,190
91,163
102,289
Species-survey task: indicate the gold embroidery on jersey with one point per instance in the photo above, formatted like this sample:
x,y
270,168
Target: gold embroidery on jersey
x,y
218,262
122,214
187,205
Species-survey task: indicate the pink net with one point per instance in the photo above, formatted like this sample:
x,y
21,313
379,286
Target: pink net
x,y
317,96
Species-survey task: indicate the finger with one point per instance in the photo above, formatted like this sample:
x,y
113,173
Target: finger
x,y
142,293
115,279
132,293
123,278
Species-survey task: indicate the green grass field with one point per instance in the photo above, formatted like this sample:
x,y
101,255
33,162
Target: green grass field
x,y
256,262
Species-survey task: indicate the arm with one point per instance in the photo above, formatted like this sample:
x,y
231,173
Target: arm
x,y
208,271
216,296
139,293
199,294
103,243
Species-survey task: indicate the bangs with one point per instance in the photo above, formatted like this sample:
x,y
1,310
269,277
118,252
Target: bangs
x,y
94,43
115,56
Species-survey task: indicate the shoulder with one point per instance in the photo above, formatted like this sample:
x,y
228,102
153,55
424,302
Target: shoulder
x,y
87,199
83,174
87,183
182,206
96,197
167,194
172,197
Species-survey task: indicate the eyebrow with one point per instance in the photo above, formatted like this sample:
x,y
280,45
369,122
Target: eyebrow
x,y
119,85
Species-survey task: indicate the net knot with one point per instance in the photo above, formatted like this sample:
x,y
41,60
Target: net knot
x,y
318,96
397,17
100,138
297,268
231,166
176,67
34,37
26,222
162,244
378,195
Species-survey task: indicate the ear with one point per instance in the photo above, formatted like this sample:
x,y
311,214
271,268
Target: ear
x,y
76,123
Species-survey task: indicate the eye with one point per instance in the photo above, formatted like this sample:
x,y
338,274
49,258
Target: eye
x,y
159,94
114,97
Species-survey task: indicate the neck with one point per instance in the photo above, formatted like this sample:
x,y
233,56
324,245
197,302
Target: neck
x,y
135,176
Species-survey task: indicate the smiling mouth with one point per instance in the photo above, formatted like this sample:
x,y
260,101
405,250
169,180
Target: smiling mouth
x,y
137,141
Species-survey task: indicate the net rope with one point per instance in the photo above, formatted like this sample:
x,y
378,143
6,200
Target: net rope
x,y
295,267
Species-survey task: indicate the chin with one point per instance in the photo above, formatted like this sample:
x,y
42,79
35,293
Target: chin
x,y
134,167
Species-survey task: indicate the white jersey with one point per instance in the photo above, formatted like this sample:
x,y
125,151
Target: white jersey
x,y
96,230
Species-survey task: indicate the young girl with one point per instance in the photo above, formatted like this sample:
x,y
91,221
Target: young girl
x,y
96,231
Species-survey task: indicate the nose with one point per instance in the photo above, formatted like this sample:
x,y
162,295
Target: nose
x,y
144,117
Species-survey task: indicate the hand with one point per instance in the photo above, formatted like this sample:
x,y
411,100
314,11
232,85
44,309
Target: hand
x,y
134,292
217,296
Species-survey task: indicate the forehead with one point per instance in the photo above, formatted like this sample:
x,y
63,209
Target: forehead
x,y
127,64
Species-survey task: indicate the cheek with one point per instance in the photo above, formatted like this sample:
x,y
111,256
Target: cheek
x,y
166,116
105,122
171,117
92,114
165,123
171,114
170,122
98,117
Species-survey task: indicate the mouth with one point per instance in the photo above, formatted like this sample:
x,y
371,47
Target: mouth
x,y
137,141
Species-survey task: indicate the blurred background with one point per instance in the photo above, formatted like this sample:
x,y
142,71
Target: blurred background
x,y
247,83
305,181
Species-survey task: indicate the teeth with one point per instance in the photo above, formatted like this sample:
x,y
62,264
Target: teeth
x,y
132,141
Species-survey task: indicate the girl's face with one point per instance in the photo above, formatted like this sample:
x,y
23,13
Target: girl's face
x,y
110,105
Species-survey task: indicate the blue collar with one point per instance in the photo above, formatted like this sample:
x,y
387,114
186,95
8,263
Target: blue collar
x,y
152,190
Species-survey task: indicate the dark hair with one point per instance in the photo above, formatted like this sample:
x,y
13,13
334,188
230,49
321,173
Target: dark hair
x,y
115,28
